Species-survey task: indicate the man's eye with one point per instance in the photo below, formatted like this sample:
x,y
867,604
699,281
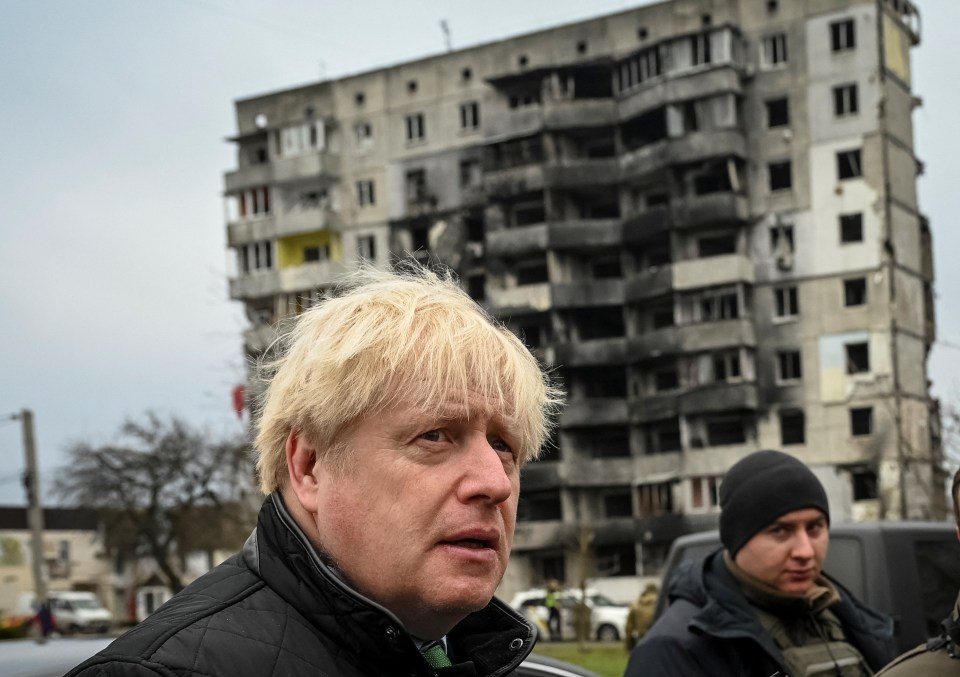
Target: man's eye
x,y
432,436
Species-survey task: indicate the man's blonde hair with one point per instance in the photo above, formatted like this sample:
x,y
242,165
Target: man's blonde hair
x,y
385,338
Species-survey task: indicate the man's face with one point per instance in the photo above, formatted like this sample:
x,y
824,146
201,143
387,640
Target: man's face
x,y
789,553
422,519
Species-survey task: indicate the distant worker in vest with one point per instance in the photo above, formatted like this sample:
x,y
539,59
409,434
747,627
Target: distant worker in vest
x,y
553,611
761,605
941,654
640,615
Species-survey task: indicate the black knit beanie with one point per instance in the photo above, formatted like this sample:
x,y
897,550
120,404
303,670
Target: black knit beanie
x,y
761,487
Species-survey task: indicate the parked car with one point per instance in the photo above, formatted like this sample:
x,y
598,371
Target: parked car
x,y
608,620
77,611
908,570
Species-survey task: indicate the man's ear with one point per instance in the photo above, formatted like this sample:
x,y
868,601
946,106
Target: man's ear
x,y
301,466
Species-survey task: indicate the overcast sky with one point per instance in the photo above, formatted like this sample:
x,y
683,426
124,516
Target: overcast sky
x,y
113,292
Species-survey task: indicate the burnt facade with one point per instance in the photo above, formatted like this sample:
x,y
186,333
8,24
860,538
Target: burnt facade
x,y
702,214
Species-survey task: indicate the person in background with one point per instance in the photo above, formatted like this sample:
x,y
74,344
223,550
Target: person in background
x,y
553,611
761,604
389,445
941,654
641,615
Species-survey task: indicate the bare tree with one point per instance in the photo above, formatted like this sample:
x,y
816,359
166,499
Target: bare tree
x,y
163,490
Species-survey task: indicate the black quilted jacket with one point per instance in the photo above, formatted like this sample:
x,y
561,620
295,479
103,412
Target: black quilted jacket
x,y
275,609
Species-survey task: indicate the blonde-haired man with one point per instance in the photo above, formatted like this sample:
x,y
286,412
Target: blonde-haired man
x,y
390,443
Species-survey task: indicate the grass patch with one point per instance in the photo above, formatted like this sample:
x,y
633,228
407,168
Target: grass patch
x,y
605,658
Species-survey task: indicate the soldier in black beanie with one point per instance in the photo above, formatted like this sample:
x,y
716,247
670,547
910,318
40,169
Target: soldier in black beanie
x,y
761,605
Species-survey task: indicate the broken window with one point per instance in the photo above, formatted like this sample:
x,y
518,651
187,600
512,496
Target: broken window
x,y
778,112
255,256
416,185
723,430
642,66
532,272
655,499
477,288
864,483
773,51
471,175
717,245
367,247
538,506
616,560
851,228
789,367
617,503
704,493
792,427
719,306
301,138
786,302
663,437
726,366
855,291
780,175
666,379
363,132
469,115
842,35
315,254
845,100
662,316
414,127
858,357
366,195
861,421
700,49
254,202
848,164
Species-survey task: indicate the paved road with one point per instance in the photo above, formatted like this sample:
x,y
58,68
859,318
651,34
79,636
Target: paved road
x,y
26,658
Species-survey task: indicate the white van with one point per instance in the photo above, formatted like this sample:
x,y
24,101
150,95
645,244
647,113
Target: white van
x,y
76,611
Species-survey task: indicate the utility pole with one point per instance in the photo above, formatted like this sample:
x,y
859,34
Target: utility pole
x,y
31,481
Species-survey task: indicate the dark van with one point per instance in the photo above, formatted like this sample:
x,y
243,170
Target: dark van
x,y
908,570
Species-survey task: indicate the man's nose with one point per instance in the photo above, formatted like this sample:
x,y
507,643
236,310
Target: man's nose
x,y
485,476
802,545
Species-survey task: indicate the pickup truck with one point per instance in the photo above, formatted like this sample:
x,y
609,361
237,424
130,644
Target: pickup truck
x,y
907,570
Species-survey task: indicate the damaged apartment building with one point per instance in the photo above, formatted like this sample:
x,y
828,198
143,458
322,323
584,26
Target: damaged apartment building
x,y
701,214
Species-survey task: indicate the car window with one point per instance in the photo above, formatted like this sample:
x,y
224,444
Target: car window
x,y
939,580
601,600
845,564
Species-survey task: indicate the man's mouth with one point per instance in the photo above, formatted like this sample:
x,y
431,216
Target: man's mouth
x,y
472,543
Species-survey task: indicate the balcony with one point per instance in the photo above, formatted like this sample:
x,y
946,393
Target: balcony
x,y
513,180
648,284
614,530
286,280
577,234
710,209
591,353
594,411
649,224
587,294
699,146
567,113
648,159
503,123
699,337
705,336
540,475
712,271
250,230
524,299
575,173
719,397
282,170
515,242
540,535
654,407
690,84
